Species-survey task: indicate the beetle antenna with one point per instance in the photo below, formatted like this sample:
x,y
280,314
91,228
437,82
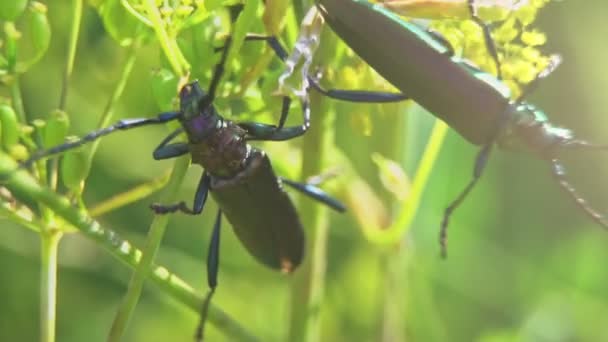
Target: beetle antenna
x,y
92,136
583,145
559,173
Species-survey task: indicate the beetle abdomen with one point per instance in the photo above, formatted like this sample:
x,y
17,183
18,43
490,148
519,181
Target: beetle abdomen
x,y
262,214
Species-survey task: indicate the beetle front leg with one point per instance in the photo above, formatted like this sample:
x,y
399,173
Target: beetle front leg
x,y
200,197
480,163
260,131
357,96
167,151
487,37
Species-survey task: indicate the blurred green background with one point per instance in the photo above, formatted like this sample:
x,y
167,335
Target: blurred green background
x,y
524,263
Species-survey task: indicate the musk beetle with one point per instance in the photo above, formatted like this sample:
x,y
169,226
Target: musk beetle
x,y
478,105
239,176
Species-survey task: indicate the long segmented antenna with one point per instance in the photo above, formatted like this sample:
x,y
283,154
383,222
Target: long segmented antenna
x,y
120,125
583,145
559,173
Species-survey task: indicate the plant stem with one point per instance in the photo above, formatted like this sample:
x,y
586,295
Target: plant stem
x,y
409,207
308,283
22,182
153,240
48,283
71,55
17,99
170,49
130,196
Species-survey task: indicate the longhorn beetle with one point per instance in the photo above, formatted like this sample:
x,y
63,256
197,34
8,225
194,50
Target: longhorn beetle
x,y
476,104
239,177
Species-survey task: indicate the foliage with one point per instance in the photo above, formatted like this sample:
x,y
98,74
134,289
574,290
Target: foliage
x,y
523,262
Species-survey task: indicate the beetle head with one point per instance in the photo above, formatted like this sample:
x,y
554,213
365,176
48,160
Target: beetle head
x,y
190,96
199,118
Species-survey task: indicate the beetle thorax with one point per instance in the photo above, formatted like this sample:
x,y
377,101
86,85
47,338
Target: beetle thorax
x,y
199,127
223,152
530,130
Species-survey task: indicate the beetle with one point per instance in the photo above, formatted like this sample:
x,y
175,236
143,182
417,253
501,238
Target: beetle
x,y
474,103
239,177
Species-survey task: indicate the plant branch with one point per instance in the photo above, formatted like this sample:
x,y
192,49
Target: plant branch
x,y
21,181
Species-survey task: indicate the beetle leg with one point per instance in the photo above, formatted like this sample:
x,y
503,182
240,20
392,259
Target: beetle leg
x,y
559,173
200,197
121,125
260,131
480,163
487,37
168,151
213,259
443,40
315,193
272,41
357,95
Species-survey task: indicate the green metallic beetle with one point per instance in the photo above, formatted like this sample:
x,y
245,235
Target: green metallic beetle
x,y
476,104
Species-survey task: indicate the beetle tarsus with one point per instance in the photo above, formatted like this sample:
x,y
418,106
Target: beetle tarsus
x,y
200,197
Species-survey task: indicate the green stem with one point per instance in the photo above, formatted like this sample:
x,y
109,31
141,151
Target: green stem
x,y
48,284
401,225
71,55
130,196
22,182
308,283
108,112
153,240
17,99
12,35
173,54
157,228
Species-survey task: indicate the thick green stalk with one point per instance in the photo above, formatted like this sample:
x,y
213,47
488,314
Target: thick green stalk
x,y
308,283
22,182
48,284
